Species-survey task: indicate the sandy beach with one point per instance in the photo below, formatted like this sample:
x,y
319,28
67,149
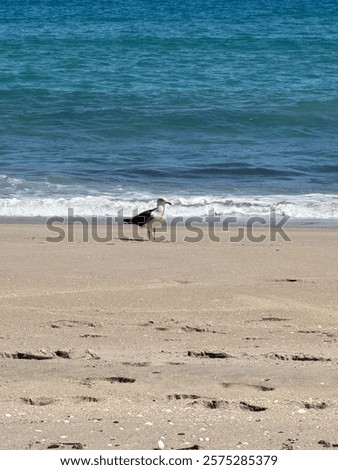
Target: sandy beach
x,y
203,345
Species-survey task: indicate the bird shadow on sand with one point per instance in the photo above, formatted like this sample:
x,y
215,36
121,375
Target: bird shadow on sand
x,y
127,239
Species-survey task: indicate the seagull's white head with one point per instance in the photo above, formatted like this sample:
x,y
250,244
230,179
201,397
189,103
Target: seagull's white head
x,y
162,202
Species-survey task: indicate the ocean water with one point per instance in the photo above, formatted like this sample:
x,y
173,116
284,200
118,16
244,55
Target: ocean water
x,y
225,105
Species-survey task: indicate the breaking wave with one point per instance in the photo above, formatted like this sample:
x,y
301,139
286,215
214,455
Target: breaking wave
x,y
309,206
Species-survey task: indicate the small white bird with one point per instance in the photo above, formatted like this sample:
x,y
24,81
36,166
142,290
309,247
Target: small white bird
x,y
150,218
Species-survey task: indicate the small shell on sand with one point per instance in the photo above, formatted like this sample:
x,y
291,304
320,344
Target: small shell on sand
x,y
160,445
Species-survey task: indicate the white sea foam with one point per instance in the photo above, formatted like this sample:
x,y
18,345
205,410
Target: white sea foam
x,y
310,206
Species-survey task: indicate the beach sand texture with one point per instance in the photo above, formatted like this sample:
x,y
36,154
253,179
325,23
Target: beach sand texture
x,y
204,345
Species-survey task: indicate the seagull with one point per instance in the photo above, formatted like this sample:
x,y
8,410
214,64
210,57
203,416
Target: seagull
x,y
150,217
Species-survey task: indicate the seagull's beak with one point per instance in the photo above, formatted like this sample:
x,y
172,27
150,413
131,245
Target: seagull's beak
x,y
167,202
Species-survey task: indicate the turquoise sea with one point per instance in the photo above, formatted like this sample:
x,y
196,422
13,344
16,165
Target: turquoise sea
x,y
220,104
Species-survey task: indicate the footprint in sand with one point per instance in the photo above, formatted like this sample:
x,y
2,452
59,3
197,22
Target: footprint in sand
x,y
210,354
262,388
39,401
297,357
193,399
74,323
248,406
87,399
120,380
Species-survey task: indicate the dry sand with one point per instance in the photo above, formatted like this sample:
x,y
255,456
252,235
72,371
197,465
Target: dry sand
x,y
216,345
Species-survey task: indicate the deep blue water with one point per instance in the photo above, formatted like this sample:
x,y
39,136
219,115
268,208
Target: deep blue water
x,y
232,104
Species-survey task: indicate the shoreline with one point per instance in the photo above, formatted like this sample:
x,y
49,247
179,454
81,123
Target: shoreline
x,y
219,345
107,234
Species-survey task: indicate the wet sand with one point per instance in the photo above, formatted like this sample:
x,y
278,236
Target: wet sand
x,y
206,345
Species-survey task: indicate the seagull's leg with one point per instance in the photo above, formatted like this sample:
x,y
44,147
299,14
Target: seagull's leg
x,y
154,234
149,230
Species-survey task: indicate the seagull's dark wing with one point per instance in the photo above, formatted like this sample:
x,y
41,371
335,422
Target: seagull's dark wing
x,y
142,218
